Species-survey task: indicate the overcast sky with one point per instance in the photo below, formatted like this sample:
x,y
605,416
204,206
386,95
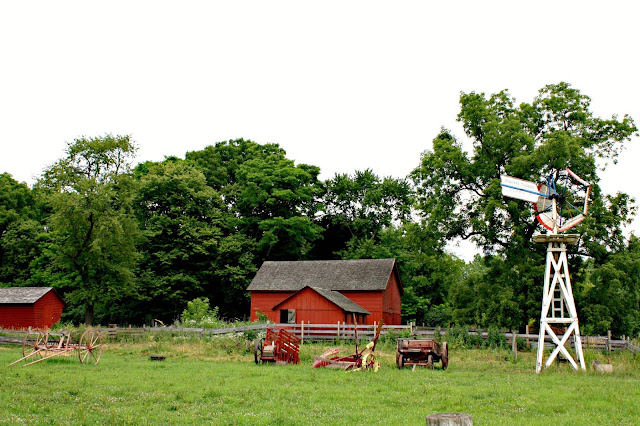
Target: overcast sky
x,y
344,85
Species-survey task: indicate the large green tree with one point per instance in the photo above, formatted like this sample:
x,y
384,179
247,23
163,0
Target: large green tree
x,y
92,226
356,208
460,196
19,230
272,199
188,250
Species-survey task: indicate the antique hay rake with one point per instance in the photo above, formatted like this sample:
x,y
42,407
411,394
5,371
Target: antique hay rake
x,y
37,347
364,359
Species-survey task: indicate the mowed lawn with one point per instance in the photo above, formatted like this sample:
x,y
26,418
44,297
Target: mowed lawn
x,y
197,384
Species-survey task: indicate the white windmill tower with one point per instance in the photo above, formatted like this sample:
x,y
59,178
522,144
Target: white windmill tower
x,y
561,203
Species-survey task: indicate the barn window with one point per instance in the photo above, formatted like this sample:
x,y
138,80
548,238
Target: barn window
x,y
287,316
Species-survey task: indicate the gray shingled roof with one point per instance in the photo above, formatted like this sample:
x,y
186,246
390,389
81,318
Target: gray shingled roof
x,y
21,295
340,300
340,275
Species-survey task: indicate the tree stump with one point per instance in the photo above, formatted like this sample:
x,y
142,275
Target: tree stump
x,y
450,419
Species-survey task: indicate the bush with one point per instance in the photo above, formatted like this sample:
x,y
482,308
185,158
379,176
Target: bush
x,y
496,339
475,341
199,314
457,336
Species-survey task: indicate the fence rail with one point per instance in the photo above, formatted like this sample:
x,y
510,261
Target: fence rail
x,y
316,332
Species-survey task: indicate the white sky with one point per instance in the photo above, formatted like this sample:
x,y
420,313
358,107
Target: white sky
x,y
344,85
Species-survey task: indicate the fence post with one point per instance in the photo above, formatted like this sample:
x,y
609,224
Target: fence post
x,y
608,340
527,332
514,344
302,332
338,332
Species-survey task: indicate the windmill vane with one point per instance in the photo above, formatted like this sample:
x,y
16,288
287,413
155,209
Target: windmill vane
x,y
560,203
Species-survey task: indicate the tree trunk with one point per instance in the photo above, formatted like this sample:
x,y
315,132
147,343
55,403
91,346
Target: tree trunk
x,y
88,314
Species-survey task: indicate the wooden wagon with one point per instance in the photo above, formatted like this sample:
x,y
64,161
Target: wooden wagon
x,y
421,352
278,346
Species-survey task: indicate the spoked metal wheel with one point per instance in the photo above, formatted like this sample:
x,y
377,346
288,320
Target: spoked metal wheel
x,y
257,351
430,361
370,362
35,342
90,347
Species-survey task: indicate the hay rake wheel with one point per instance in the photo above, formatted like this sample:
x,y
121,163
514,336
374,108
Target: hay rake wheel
x,y
90,347
34,344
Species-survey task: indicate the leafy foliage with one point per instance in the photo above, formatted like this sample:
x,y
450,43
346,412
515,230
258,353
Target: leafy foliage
x,y
199,314
459,194
129,246
93,229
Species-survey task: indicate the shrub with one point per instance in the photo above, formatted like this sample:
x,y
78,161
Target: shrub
x,y
496,339
200,314
457,336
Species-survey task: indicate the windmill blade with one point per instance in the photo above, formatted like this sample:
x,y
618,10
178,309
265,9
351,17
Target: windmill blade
x,y
571,222
546,219
520,189
544,202
577,178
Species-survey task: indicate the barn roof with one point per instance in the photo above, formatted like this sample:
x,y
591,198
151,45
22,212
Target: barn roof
x,y
24,295
338,299
340,275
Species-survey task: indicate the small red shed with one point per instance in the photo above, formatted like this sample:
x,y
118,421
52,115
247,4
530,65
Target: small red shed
x,y
24,307
328,291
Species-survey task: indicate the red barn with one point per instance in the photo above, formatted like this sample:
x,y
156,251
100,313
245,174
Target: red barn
x,y
328,291
24,307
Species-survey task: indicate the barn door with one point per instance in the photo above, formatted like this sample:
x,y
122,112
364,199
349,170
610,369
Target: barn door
x,y
287,316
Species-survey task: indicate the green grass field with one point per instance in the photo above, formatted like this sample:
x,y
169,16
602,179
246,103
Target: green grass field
x,y
218,383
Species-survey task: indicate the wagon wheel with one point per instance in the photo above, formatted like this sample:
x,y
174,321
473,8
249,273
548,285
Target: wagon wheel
x,y
445,356
430,361
257,351
90,347
34,341
399,360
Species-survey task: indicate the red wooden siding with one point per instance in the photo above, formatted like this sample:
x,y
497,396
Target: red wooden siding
x,y
369,300
313,308
42,314
392,303
265,301
48,310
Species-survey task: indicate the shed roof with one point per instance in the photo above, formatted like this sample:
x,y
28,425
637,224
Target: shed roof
x,y
25,295
340,275
338,299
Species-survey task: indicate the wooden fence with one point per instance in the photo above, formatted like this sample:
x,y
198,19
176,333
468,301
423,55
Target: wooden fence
x,y
317,332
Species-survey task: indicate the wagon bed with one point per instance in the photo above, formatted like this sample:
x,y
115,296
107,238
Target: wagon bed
x,y
279,346
421,352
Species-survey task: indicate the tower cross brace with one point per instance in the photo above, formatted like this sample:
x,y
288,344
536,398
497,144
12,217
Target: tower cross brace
x,y
558,314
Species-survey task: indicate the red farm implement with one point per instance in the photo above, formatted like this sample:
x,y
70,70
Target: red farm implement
x,y
364,359
39,346
421,352
278,346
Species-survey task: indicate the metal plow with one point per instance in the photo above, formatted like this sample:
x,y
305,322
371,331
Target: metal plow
x,y
39,346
